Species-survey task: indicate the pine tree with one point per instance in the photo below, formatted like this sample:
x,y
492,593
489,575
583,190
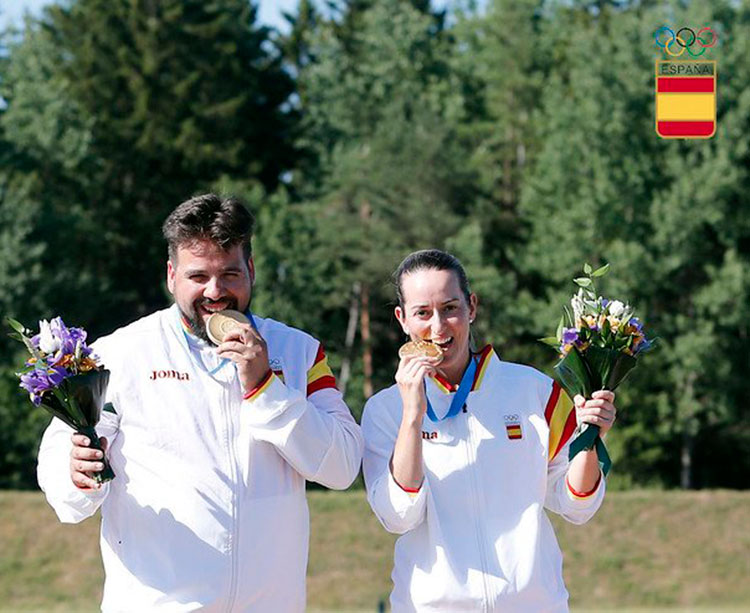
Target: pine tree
x,y
665,214
381,114
145,105
116,112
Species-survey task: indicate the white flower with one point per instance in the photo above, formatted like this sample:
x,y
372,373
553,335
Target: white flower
x,y
616,308
48,342
578,306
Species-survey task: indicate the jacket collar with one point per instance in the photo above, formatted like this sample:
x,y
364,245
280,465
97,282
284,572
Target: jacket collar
x,y
483,356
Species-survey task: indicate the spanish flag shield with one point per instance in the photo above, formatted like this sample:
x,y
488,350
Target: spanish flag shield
x,y
685,99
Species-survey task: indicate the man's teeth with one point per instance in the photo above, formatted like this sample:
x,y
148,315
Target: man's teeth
x,y
214,308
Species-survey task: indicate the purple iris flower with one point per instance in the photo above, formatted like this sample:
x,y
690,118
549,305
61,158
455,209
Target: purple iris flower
x,y
68,336
40,380
605,302
644,345
635,322
68,339
77,335
569,336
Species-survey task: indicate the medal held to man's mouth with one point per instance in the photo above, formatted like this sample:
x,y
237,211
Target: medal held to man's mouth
x,y
220,324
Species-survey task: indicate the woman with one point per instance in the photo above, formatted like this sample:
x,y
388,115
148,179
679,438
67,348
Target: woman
x,y
463,455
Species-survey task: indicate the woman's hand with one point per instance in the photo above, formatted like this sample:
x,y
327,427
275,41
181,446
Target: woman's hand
x,y
406,463
410,379
598,411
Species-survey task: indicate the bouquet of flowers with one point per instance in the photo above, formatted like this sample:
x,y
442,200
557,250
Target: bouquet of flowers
x,y
63,376
599,341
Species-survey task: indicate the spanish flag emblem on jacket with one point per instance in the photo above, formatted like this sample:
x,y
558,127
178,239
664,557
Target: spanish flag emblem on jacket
x,y
513,431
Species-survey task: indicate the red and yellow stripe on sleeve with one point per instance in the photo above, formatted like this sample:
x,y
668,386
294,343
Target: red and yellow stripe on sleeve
x,y
320,375
561,418
261,387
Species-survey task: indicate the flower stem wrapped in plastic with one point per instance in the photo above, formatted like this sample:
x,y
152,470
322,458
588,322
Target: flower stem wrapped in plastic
x,y
63,376
599,341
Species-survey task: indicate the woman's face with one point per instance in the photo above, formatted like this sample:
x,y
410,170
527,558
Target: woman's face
x,y
436,309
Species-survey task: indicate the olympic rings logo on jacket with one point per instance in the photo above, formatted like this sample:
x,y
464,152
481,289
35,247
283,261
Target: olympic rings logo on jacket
x,y
669,41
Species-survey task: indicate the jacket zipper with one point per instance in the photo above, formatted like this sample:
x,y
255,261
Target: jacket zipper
x,y
227,409
470,452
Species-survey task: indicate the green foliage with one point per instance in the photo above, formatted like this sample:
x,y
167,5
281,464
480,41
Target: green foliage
x,y
604,188
372,129
127,109
116,112
382,108
21,427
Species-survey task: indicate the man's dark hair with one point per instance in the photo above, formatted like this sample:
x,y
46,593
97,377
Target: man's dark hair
x,y
226,222
430,259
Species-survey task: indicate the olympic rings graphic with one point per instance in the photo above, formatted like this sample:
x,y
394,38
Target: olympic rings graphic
x,y
668,43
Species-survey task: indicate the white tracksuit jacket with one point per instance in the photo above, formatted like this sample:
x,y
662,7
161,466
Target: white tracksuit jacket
x,y
476,536
208,508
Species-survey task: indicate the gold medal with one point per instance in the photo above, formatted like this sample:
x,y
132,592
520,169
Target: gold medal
x,y
222,323
421,348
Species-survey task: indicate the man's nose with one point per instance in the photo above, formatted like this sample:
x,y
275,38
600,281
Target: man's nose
x,y
214,289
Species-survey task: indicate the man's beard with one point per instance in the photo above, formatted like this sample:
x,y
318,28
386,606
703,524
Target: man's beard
x,y
195,321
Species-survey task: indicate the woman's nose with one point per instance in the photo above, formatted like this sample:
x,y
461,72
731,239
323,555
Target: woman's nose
x,y
437,324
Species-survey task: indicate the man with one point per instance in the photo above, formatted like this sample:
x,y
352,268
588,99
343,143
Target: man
x,y
211,445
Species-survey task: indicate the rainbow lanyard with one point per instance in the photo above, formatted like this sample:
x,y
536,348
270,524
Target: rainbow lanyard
x,y
461,394
224,361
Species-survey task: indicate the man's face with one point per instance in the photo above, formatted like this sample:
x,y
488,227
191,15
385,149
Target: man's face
x,y
204,279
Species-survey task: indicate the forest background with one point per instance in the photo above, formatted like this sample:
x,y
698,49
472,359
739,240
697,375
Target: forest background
x,y
519,136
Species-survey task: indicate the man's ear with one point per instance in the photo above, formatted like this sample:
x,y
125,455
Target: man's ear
x,y
171,273
251,268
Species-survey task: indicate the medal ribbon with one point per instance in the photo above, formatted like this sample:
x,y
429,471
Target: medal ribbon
x,y
461,394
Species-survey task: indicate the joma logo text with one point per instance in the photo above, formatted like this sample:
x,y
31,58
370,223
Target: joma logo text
x,y
169,374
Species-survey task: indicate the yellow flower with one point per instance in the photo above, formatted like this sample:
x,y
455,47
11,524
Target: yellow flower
x,y
65,361
87,364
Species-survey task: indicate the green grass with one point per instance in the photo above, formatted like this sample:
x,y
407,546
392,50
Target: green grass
x,y
645,551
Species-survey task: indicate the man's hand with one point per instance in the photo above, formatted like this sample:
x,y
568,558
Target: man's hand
x,y
84,462
246,348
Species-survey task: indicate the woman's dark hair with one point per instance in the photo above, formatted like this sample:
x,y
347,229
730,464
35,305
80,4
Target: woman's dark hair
x,y
430,259
226,222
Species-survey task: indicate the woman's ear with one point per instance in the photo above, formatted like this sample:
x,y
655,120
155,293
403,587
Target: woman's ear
x,y
401,316
473,302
